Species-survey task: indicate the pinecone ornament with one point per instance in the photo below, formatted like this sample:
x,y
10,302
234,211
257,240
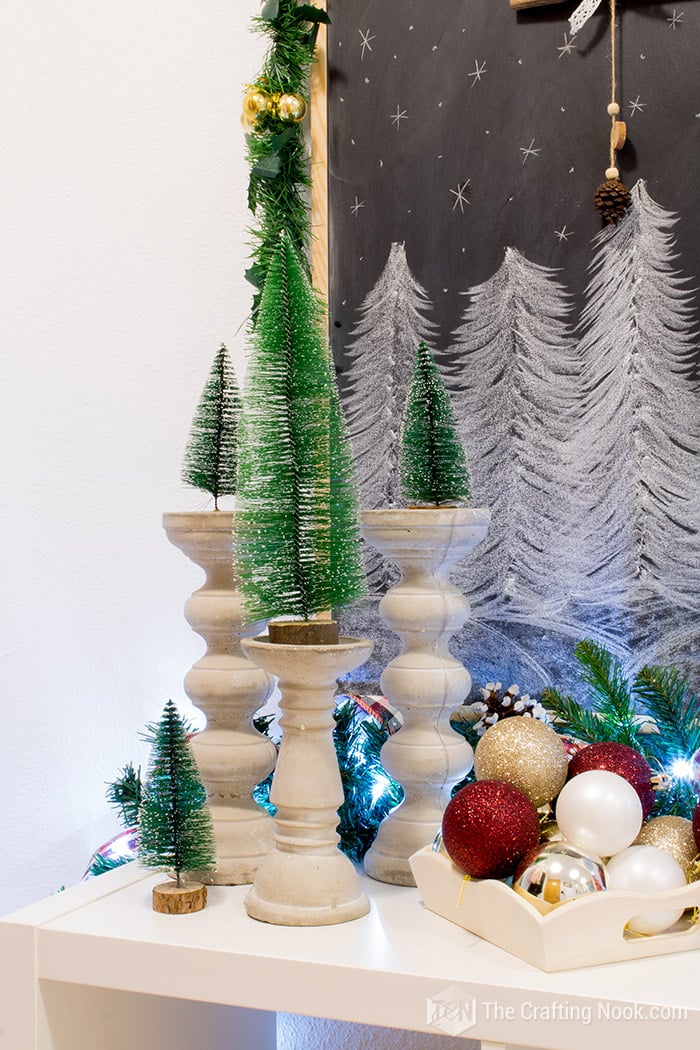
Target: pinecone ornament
x,y
497,705
612,199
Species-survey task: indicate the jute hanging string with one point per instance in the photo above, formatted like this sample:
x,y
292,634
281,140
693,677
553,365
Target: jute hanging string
x,y
612,198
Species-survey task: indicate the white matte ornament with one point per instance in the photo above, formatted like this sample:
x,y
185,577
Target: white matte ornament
x,y
647,869
600,812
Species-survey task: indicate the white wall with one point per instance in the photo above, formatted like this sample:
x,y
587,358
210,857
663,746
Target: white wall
x,y
123,247
123,241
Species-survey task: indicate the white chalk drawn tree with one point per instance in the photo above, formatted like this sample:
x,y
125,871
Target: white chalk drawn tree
x,y
638,443
381,356
514,377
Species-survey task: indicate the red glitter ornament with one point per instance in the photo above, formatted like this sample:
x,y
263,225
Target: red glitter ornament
x,y
696,826
621,759
487,827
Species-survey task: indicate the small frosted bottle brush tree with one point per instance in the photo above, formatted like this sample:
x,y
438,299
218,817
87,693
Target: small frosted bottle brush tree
x,y
175,829
296,526
433,465
211,454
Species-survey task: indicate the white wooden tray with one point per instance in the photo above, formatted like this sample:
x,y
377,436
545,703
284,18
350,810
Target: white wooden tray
x,y
584,932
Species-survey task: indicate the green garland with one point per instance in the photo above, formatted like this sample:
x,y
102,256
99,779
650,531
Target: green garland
x,y
277,153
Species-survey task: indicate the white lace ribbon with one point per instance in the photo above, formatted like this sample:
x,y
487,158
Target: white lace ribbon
x,y
582,13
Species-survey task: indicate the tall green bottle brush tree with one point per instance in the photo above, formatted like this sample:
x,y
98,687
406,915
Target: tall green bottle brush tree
x,y
433,465
211,455
296,523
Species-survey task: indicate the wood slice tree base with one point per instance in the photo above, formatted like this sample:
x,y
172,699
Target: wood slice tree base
x,y
303,632
171,899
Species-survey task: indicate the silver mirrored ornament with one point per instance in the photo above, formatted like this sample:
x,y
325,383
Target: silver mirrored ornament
x,y
554,873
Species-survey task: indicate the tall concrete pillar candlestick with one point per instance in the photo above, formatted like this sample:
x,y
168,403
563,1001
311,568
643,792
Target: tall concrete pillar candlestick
x,y
306,880
232,756
425,682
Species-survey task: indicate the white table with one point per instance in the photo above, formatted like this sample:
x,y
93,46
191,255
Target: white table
x,y
95,966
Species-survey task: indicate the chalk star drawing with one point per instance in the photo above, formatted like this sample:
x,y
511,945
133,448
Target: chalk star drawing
x,y
356,206
567,47
397,117
636,106
563,234
675,19
479,70
528,151
459,195
365,45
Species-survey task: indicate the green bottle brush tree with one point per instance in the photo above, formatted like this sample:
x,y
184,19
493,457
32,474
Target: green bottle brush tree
x,y
211,456
175,829
433,465
296,523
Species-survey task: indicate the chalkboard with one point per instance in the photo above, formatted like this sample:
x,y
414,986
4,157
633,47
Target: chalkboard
x,y
466,142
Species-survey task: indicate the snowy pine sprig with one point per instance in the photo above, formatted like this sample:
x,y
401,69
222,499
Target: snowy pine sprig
x,y
433,463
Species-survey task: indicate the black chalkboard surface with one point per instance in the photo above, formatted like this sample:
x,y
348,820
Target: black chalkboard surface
x,y
466,143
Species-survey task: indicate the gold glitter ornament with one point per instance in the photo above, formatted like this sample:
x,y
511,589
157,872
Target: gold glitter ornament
x,y
291,108
255,103
675,836
526,753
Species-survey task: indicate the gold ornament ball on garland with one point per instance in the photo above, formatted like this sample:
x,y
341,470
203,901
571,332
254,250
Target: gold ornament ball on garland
x,y
675,836
291,108
526,753
255,103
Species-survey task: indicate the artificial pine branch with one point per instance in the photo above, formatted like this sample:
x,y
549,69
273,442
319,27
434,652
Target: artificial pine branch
x,y
610,692
212,448
571,718
125,794
433,464
674,708
100,865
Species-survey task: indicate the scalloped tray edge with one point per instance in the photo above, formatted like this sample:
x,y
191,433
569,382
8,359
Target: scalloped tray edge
x,y
584,932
